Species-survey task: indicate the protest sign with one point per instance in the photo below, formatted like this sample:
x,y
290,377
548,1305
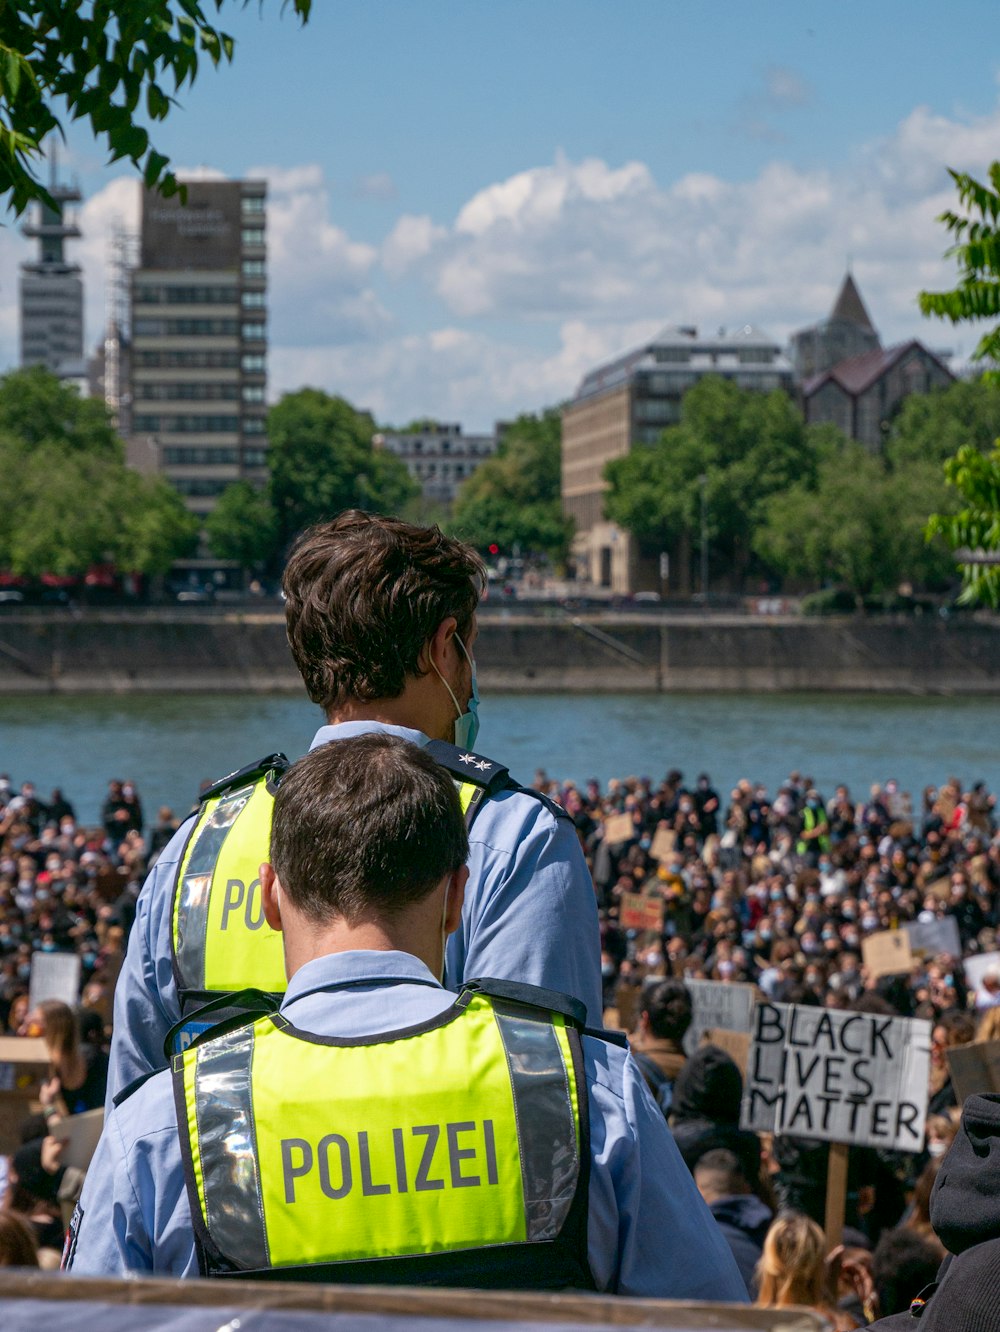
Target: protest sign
x,y
842,1077
636,912
664,844
735,1043
975,967
938,935
887,953
718,1004
619,828
80,1133
941,889
974,1068
54,976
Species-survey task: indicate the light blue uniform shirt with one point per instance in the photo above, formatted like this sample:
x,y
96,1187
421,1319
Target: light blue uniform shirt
x,y
530,915
649,1233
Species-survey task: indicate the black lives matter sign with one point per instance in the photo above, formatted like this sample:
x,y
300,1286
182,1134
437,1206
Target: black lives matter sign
x,y
841,1077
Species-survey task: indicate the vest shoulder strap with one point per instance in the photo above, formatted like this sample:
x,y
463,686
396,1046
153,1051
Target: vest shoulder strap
x,y
466,766
271,763
239,1009
530,996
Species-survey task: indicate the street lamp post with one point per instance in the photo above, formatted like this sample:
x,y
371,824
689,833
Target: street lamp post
x,y
703,483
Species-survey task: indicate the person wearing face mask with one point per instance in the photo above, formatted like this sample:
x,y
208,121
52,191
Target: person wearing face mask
x,y
379,1128
381,621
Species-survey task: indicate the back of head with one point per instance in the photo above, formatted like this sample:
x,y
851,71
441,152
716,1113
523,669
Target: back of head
x,y
364,828
718,1174
60,1027
668,1007
364,594
17,1241
902,1264
709,1086
790,1270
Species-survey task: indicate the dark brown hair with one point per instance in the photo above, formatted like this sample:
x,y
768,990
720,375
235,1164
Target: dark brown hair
x,y
364,594
17,1241
365,827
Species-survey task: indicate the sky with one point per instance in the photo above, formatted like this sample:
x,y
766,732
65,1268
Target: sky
x,y
474,202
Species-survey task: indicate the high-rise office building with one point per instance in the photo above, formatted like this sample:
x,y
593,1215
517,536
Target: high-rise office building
x,y
438,456
198,356
52,290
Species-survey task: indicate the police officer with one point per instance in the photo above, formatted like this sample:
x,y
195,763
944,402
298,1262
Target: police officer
x,y
381,620
379,1128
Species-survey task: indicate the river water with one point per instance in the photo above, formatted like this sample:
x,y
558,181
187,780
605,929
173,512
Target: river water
x,y
169,743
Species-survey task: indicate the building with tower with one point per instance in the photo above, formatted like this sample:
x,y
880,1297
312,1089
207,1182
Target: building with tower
x,y
847,332
51,289
197,360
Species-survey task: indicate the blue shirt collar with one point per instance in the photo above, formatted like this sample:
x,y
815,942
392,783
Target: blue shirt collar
x,y
345,730
357,968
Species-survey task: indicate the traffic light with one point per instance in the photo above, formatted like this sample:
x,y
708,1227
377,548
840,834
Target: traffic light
x,y
493,548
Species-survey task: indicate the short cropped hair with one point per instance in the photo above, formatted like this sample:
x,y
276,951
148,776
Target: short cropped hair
x,y
364,828
668,1005
364,594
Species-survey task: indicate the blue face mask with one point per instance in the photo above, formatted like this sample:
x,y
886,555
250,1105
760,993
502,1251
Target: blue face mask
x,y
466,723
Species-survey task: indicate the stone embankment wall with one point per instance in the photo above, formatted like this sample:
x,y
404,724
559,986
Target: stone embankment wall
x,y
214,650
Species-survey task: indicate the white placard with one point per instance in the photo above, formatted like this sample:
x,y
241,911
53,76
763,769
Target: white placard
x,y
720,1005
54,976
931,937
976,966
841,1077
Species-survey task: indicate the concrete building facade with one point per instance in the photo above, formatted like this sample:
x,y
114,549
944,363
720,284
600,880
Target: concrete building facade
x,y
629,402
51,291
197,364
438,456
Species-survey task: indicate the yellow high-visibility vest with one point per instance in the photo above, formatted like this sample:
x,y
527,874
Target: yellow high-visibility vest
x,y
454,1152
221,941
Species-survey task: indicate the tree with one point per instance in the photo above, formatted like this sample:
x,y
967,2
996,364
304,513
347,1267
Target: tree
x,y
69,499
972,472
933,426
513,499
242,526
109,63
857,523
322,460
748,446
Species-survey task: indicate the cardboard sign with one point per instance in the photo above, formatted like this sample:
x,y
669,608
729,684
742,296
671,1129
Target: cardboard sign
x,y
930,937
619,828
941,888
718,1005
81,1134
974,1068
636,912
976,966
54,976
664,844
24,1051
735,1043
887,953
841,1077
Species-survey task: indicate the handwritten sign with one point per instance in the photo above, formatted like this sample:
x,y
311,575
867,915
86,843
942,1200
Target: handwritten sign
x,y
636,912
718,1005
930,937
855,1078
976,967
54,976
887,953
619,828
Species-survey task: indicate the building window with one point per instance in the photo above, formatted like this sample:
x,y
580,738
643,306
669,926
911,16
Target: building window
x,y
254,300
253,363
254,268
253,425
193,457
253,392
188,425
198,486
253,332
149,328
255,457
252,203
253,236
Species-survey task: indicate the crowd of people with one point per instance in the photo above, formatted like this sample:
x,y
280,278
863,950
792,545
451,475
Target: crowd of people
x,y
775,891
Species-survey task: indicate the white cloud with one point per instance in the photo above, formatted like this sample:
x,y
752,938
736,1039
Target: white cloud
x,y
379,186
783,87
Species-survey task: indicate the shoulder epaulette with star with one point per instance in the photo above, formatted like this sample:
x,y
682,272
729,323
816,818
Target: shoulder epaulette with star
x,y
468,766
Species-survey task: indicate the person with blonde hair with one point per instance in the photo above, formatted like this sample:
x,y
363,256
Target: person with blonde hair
x,y
792,1270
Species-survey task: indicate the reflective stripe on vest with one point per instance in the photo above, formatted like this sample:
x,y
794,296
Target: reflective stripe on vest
x,y
460,1135
221,941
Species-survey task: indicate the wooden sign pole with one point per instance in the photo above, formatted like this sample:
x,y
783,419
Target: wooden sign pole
x,y
836,1193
